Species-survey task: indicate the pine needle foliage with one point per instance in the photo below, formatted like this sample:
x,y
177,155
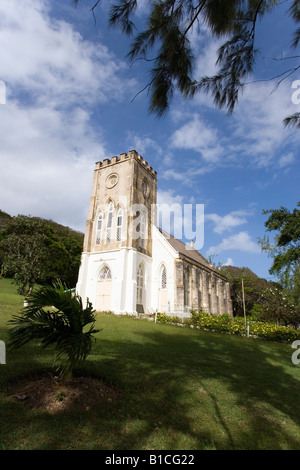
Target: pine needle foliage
x,y
55,317
292,121
167,36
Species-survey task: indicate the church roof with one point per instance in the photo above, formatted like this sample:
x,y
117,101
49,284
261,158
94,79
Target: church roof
x,y
188,252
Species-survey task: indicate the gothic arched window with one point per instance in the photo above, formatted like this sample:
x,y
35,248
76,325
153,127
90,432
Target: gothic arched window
x,y
140,284
105,274
142,233
109,222
187,287
163,280
99,229
119,224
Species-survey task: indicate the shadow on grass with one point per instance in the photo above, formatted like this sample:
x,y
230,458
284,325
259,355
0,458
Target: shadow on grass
x,y
178,390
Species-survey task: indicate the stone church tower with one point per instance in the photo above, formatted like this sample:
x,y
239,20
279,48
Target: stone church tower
x,y
126,187
119,228
128,264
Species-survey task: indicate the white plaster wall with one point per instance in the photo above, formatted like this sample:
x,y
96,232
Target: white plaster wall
x,y
91,265
147,291
162,253
124,264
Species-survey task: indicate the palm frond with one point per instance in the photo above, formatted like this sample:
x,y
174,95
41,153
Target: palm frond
x,y
56,317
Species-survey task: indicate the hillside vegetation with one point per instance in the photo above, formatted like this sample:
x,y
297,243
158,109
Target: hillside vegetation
x,y
35,250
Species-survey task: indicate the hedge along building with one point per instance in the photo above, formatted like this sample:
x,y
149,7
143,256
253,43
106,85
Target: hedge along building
x,y
128,264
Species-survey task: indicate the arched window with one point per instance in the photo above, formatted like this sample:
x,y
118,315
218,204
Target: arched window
x,y
119,224
109,222
187,287
105,274
163,280
140,284
142,233
99,229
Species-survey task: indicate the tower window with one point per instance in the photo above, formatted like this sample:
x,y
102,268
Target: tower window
x,y
99,229
144,188
109,222
142,232
119,224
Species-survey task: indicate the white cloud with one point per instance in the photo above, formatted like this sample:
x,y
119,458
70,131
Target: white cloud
x,y
253,136
258,129
168,197
186,175
143,144
228,262
50,60
286,160
173,174
198,136
240,241
48,142
170,212
228,221
46,160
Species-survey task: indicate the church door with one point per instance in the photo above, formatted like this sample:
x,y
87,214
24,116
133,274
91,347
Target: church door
x,y
103,298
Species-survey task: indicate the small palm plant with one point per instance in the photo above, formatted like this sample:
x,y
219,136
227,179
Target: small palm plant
x,y
65,324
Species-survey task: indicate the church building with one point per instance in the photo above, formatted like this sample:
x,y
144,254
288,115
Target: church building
x,y
131,266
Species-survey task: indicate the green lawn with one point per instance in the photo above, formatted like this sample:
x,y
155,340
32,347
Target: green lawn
x,y
179,388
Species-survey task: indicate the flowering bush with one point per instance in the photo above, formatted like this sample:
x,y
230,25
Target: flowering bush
x,y
163,318
277,307
236,325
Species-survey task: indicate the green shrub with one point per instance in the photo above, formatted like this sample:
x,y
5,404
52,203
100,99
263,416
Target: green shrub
x,y
163,318
236,325
256,311
273,332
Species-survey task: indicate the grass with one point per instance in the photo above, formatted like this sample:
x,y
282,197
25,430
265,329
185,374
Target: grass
x,y
179,389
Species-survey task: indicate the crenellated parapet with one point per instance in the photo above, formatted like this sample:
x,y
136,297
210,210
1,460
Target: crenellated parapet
x,y
126,156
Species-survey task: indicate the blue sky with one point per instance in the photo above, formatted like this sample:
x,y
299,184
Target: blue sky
x,y
69,93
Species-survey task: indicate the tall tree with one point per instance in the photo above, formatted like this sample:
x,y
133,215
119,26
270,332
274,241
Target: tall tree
x,y
286,251
38,250
286,262
167,33
23,244
254,288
